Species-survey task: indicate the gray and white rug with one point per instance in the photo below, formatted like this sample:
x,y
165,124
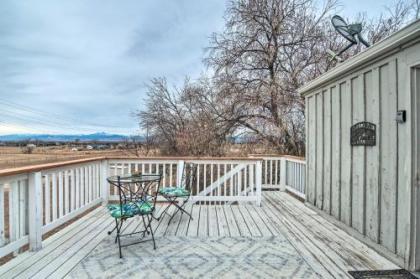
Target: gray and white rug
x,y
182,257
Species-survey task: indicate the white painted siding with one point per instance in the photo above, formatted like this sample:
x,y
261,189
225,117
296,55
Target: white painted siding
x,y
367,188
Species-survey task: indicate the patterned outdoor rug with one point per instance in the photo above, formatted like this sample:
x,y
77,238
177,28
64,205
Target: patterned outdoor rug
x,y
181,257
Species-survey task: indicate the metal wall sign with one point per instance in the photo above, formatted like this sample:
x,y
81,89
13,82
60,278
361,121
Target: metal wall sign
x,y
363,133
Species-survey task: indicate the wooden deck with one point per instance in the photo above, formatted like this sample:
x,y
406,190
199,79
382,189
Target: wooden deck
x,y
329,251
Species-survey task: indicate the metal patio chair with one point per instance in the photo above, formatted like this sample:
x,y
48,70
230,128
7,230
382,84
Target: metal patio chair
x,y
179,195
137,197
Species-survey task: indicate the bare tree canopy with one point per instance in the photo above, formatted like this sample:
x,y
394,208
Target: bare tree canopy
x,y
192,120
268,49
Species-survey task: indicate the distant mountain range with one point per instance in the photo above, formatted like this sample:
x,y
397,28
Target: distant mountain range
x,y
64,138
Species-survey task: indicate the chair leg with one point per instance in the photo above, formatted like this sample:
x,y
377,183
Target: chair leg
x,y
118,238
173,214
116,224
181,208
173,201
166,208
118,228
145,225
151,231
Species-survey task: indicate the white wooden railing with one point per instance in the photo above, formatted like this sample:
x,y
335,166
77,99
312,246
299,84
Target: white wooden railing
x,y
218,180
38,199
284,173
68,191
35,200
295,176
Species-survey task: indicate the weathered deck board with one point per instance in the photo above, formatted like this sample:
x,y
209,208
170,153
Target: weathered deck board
x,y
203,225
250,223
184,222
319,243
193,226
26,260
323,227
213,221
330,251
222,224
315,257
240,221
345,251
230,220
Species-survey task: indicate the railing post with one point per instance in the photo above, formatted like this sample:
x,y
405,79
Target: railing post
x,y
179,171
283,173
104,182
35,211
258,181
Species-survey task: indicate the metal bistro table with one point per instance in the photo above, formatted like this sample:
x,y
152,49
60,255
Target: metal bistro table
x,y
137,197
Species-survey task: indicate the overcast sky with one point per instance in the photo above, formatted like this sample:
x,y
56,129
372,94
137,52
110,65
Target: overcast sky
x,y
80,66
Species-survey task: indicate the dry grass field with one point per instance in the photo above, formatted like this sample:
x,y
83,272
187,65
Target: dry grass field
x,y
11,157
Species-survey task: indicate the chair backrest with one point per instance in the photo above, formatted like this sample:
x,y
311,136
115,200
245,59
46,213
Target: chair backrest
x,y
133,192
151,191
189,175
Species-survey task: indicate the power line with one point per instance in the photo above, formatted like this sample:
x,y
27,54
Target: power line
x,y
56,116
42,122
13,126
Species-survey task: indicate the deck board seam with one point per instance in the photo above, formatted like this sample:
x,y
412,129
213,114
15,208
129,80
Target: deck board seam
x,y
186,226
244,225
41,268
244,219
376,261
251,218
258,212
308,229
261,223
86,255
284,232
313,243
222,208
300,252
50,250
71,267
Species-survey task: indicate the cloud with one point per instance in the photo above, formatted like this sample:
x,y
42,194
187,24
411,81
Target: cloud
x,y
88,61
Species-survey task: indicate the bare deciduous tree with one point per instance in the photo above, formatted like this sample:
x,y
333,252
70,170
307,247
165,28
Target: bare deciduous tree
x,y
187,121
264,52
269,49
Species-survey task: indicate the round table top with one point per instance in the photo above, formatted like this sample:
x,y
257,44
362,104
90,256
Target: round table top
x,y
134,178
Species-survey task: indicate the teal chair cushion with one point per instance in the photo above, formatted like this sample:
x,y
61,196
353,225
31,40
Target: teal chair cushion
x,y
174,192
130,209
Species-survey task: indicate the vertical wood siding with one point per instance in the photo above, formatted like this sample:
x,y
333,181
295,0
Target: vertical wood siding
x,y
311,149
364,187
326,205
372,157
336,152
345,116
319,150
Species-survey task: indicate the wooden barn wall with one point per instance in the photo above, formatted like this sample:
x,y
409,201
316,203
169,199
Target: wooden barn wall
x,y
367,188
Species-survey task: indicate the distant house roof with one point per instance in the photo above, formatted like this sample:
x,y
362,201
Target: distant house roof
x,y
386,46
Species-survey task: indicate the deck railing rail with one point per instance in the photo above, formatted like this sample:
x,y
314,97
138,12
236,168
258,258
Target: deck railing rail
x,y
221,180
37,199
284,173
295,176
